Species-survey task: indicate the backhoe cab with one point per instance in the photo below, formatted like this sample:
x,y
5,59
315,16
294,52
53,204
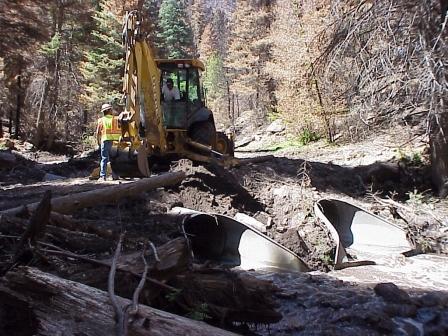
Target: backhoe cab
x,y
155,129
188,113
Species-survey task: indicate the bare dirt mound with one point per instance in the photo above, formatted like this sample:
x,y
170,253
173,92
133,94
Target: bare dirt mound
x,y
279,193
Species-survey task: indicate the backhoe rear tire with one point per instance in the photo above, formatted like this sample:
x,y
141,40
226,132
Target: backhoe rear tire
x,y
223,144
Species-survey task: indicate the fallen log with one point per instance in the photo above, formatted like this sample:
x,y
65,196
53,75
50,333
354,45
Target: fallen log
x,y
35,229
53,306
97,277
7,160
78,241
70,203
15,225
99,228
226,297
174,258
257,159
174,255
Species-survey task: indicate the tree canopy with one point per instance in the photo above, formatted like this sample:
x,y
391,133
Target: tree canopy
x,y
176,36
103,66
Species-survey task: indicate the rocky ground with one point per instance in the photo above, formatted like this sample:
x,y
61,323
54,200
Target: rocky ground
x,y
280,194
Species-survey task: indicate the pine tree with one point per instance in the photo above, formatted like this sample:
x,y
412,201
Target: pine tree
x,y
212,50
176,34
214,78
53,93
150,24
103,67
214,36
207,43
249,50
294,32
199,14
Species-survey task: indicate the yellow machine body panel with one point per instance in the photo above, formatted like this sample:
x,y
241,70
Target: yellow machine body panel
x,y
142,90
192,62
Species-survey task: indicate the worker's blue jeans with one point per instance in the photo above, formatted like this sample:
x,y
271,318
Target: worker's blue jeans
x,y
106,146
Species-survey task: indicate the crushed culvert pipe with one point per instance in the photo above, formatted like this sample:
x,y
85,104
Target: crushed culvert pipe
x,y
359,233
224,240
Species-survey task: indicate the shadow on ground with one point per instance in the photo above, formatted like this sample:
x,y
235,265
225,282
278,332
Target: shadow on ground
x,y
384,178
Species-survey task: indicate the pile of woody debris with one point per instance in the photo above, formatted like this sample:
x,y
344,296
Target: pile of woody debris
x,y
60,273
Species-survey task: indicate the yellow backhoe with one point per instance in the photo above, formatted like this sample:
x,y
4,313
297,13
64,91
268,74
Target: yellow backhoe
x,y
156,130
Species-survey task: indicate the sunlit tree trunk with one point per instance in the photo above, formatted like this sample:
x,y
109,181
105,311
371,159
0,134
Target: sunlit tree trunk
x,y
2,95
40,121
19,105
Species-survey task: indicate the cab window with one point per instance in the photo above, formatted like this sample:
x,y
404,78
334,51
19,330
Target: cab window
x,y
193,86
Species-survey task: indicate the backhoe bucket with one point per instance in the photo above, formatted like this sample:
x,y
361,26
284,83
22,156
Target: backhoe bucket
x,y
130,163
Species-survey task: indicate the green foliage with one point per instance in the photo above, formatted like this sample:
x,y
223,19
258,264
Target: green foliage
x,y
51,47
416,198
304,138
290,143
176,34
273,115
172,296
199,313
103,65
425,246
88,141
308,136
214,77
416,159
326,258
410,159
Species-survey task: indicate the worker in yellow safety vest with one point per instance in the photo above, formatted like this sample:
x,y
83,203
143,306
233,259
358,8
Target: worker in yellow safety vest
x,y
107,131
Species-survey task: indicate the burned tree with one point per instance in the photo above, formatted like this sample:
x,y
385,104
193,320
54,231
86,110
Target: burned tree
x,y
386,60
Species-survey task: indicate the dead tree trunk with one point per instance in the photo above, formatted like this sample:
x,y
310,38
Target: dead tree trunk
x,y
439,115
18,107
10,122
228,101
70,203
55,306
40,122
439,154
58,21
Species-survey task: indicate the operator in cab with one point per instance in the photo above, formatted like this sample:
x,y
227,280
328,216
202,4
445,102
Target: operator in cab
x,y
169,91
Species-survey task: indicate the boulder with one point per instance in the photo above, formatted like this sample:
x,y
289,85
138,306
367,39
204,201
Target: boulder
x,y
391,293
276,126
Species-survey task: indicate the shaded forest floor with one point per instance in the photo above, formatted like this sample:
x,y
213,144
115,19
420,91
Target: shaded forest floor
x,y
377,174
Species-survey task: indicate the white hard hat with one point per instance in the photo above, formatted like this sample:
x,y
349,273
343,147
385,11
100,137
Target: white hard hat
x,y
105,107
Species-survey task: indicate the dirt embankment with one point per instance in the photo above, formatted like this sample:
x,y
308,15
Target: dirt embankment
x,y
280,193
